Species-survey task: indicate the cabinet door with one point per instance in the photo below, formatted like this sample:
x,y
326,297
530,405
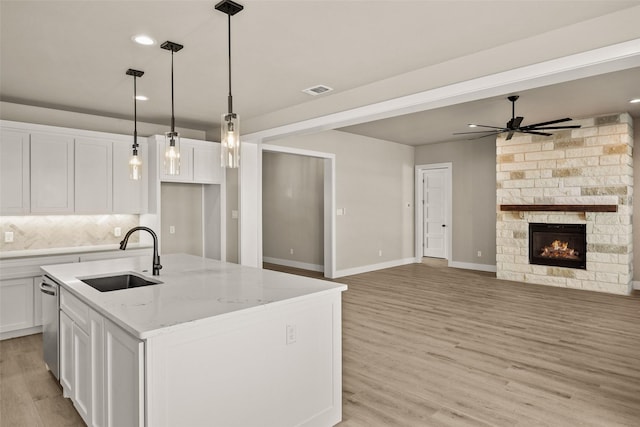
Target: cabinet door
x,y
186,163
66,354
206,163
51,174
96,335
14,172
81,395
124,378
93,176
129,196
16,304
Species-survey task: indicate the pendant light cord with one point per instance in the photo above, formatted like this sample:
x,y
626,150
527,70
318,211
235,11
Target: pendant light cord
x,y
173,119
229,39
135,118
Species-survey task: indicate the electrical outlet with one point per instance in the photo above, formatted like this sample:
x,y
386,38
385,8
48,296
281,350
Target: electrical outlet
x,y
8,236
292,334
291,251
340,212
234,214
479,254
117,231
380,252
172,229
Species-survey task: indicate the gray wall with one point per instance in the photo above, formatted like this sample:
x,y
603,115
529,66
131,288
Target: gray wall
x,y
293,208
374,185
474,195
181,208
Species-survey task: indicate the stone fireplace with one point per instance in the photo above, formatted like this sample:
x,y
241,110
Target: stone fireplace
x,y
578,177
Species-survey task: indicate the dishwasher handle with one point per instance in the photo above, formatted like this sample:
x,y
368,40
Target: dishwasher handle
x,y
47,289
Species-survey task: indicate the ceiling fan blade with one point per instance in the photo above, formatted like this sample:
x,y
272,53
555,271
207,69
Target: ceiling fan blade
x,y
481,131
534,132
484,136
555,127
484,126
535,125
510,134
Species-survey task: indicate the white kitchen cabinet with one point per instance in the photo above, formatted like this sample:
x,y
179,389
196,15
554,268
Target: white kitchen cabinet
x,y
206,163
81,372
124,377
96,333
93,176
52,173
199,161
66,354
14,172
16,304
129,196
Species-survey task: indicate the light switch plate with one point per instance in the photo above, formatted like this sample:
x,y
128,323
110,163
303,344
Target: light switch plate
x,y
8,236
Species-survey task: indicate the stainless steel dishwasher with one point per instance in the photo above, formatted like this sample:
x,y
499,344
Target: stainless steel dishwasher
x,y
50,323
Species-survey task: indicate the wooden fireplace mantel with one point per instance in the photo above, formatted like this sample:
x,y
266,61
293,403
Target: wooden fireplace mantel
x,y
559,208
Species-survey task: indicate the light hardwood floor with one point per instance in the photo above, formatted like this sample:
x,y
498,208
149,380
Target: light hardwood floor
x,y
426,345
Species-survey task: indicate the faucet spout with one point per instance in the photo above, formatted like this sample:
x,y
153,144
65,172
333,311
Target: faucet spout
x,y
156,258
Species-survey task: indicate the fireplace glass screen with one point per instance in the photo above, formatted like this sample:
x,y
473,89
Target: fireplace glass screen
x,y
563,245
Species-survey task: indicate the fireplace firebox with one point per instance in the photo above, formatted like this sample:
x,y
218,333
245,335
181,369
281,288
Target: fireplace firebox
x,y
562,245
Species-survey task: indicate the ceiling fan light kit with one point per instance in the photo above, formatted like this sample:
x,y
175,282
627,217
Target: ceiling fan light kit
x,y
514,125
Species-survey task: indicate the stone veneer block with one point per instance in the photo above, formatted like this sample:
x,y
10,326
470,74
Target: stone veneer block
x,y
589,165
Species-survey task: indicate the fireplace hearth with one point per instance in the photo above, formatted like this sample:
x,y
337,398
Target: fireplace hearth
x,y
561,245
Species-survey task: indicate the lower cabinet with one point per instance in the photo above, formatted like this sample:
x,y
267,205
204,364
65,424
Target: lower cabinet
x,y
101,367
16,304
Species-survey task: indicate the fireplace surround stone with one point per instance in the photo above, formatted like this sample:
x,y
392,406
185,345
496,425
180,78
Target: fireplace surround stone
x,y
587,166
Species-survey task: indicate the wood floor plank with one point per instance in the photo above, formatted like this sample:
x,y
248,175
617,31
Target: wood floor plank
x,y
428,345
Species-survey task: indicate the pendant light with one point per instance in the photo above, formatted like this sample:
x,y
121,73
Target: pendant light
x,y
172,138
135,165
230,122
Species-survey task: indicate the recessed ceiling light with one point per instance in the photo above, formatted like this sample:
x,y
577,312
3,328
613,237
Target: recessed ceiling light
x,y
635,101
141,98
143,39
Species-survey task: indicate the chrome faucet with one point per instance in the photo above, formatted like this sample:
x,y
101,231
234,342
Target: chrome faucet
x,y
156,257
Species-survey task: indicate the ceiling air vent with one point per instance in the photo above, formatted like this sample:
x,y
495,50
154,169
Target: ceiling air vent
x,y
317,90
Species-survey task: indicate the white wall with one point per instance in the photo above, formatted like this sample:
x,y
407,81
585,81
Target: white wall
x,y
474,196
374,186
293,210
182,209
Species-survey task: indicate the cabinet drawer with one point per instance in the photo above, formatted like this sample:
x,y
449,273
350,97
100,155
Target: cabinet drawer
x,y
75,309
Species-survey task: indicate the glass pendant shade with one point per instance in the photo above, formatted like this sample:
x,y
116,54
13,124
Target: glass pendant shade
x,y
230,141
172,153
135,167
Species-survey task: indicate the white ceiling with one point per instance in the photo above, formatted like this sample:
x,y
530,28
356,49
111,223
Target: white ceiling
x,y
72,55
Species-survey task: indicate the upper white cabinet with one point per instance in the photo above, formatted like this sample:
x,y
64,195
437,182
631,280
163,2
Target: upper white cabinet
x,y
14,172
129,196
52,171
93,176
199,161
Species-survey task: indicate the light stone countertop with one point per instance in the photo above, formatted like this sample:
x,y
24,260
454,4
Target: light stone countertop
x,y
194,289
27,253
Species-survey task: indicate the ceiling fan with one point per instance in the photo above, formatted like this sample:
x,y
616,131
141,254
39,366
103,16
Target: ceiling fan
x,y
513,125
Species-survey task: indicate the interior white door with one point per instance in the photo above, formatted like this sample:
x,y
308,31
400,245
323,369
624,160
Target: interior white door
x,y
434,193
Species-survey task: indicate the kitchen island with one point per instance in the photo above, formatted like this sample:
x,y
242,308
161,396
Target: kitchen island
x,y
214,344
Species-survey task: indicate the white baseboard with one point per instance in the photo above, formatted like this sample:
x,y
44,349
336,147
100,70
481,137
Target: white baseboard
x,y
636,285
373,267
471,266
20,333
294,264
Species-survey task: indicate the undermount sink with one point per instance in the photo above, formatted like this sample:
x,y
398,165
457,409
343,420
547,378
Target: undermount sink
x,y
119,282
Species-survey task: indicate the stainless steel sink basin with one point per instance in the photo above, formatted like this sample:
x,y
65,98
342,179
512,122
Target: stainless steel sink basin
x,y
119,282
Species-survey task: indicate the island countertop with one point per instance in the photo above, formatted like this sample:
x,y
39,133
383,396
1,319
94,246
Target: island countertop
x,y
193,289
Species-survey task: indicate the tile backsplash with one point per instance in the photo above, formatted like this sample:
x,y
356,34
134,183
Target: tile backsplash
x,y
63,231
